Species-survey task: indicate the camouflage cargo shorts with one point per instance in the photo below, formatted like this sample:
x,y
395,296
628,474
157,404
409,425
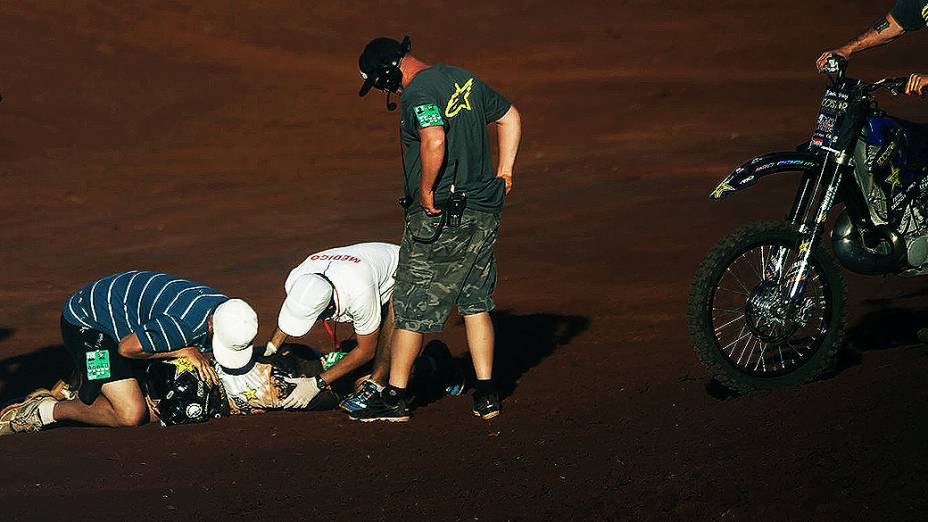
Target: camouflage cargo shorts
x,y
457,269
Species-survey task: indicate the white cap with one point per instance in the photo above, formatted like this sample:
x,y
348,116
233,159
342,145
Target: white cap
x,y
235,326
307,297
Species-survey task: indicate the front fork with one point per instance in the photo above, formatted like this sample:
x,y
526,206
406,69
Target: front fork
x,y
811,220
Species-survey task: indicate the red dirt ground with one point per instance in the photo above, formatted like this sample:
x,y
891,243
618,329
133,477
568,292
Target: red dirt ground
x,y
223,142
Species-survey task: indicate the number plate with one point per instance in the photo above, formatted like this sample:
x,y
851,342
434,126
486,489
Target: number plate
x,y
98,365
834,106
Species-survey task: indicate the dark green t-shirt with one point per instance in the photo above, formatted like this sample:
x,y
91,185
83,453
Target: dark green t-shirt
x,y
911,14
458,101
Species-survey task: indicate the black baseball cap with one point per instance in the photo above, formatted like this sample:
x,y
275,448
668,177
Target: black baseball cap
x,y
378,54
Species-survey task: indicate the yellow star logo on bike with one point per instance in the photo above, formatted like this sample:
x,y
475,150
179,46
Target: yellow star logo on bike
x,y
893,178
723,187
803,247
250,394
460,99
182,364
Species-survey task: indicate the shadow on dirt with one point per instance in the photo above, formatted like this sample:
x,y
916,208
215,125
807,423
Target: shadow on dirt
x,y
881,330
5,333
886,328
22,374
719,391
888,300
524,341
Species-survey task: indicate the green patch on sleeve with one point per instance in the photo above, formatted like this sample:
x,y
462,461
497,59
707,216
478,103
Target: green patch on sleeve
x,y
428,115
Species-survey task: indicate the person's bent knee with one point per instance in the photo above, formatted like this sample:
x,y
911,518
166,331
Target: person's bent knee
x,y
132,415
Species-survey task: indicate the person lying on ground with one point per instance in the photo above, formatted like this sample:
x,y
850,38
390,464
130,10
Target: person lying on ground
x,y
176,394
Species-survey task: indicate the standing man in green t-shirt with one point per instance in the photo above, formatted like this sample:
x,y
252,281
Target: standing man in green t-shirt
x,y
453,200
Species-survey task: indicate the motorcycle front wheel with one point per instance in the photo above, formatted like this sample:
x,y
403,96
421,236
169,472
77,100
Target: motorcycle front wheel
x,y
746,331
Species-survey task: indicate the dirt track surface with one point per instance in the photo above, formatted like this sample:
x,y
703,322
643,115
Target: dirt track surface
x,y
224,142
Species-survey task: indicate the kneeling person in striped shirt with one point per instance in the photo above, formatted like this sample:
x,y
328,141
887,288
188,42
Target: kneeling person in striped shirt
x,y
110,325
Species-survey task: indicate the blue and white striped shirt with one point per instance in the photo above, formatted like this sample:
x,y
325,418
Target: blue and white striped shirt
x,y
165,312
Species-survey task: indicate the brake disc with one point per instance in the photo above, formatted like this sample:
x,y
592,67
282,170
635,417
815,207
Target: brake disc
x,y
771,316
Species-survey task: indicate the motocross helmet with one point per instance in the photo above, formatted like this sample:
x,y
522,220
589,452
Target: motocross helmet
x,y
179,396
380,64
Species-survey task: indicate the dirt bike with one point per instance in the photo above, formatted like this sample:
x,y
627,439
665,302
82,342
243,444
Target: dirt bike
x,y
767,307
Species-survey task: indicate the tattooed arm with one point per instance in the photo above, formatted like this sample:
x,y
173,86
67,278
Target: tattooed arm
x,y
882,32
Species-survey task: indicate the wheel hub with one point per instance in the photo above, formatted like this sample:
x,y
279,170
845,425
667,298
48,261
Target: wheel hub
x,y
772,316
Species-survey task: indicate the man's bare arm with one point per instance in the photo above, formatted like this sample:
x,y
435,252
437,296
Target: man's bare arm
x,y
131,348
432,152
885,30
510,135
359,356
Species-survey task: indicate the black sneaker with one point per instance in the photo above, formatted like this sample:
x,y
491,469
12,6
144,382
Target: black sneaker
x,y
378,410
486,405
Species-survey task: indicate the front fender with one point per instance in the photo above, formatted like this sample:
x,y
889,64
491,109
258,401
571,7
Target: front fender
x,y
749,173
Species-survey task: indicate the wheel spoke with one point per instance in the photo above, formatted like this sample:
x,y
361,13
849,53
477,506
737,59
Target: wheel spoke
x,y
760,357
732,291
742,336
729,322
751,264
746,347
737,279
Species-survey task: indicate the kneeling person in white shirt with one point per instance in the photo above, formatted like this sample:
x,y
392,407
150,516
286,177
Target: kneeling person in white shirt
x,y
350,284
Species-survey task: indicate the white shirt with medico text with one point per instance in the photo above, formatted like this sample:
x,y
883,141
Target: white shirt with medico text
x,y
362,275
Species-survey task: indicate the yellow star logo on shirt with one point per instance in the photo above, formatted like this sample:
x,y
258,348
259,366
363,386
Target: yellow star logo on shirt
x,y
250,394
182,365
460,99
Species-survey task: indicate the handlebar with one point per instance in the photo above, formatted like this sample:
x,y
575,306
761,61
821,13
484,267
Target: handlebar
x,y
895,86
836,67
